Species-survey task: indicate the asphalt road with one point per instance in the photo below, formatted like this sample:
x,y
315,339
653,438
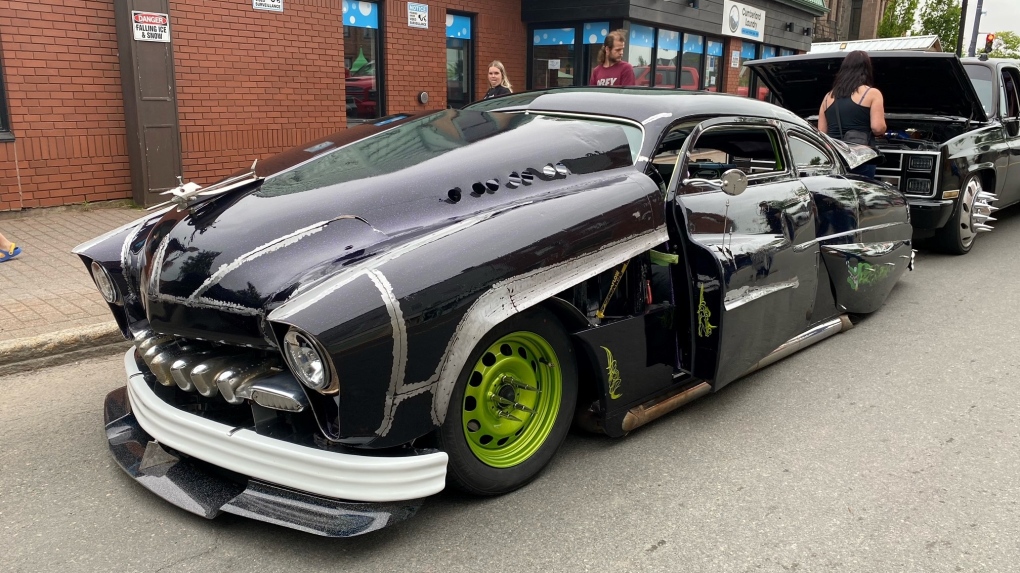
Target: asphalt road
x,y
891,447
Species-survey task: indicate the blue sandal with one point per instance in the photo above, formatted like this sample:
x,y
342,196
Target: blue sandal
x,y
8,255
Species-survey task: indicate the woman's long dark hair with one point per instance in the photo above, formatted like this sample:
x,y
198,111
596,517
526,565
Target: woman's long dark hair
x,y
855,71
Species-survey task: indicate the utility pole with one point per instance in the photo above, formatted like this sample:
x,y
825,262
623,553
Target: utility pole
x,y
963,28
977,22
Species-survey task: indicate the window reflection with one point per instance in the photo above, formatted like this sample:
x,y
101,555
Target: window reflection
x,y
639,53
361,60
552,60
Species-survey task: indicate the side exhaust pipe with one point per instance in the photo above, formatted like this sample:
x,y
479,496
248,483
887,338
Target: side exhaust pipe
x,y
802,341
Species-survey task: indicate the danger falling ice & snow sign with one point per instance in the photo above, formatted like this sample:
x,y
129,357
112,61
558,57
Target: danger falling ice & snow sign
x,y
151,26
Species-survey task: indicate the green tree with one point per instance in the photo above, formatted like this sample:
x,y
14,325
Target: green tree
x,y
941,18
1007,45
898,18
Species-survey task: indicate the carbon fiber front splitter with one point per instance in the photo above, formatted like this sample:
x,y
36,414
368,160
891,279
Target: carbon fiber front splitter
x,y
201,489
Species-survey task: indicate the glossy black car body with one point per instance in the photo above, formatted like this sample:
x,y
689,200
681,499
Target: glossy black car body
x,y
394,250
949,156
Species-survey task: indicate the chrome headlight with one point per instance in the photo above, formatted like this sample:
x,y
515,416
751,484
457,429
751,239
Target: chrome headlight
x,y
307,361
104,282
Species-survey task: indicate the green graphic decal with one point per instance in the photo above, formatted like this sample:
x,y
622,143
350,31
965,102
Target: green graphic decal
x,y
614,375
865,274
705,327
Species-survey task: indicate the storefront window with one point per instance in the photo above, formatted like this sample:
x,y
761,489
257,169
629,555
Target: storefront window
x,y
786,52
361,59
639,53
459,87
713,65
748,51
691,62
552,58
594,38
667,58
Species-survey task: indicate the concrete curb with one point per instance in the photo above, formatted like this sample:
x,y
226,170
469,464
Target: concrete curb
x,y
72,340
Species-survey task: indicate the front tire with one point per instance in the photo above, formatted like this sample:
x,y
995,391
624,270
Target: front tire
x,y
512,405
957,237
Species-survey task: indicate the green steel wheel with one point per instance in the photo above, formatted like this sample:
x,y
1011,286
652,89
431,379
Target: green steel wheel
x,y
512,405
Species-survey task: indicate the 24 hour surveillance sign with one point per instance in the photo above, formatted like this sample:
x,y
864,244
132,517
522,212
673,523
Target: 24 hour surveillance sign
x,y
151,26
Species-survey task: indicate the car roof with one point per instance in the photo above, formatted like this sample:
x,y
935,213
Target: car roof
x,y
640,104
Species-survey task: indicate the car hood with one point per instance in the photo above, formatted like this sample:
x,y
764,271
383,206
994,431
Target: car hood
x,y
243,252
911,82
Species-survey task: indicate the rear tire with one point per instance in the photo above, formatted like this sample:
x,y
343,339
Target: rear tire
x,y
512,405
957,237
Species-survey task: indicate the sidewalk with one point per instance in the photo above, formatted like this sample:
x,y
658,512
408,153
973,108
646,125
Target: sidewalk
x,y
49,303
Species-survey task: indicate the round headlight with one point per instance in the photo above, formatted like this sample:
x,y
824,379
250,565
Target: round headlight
x,y
305,360
104,282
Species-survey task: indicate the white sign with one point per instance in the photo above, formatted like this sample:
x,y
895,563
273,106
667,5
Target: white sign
x,y
271,5
743,21
151,26
418,15
554,64
735,59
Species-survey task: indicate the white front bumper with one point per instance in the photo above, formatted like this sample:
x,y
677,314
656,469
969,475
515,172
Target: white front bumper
x,y
330,474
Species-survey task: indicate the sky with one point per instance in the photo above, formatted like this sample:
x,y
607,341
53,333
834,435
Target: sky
x,y
999,15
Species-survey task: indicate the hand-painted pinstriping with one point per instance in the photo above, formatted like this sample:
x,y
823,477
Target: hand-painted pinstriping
x,y
265,249
399,328
301,300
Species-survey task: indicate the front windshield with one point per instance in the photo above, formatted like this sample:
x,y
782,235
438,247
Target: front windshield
x,y
981,77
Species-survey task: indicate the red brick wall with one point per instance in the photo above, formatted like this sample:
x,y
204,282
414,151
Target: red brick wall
x,y
249,83
65,106
416,58
731,75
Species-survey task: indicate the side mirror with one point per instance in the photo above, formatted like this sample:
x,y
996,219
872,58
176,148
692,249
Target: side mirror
x,y
733,182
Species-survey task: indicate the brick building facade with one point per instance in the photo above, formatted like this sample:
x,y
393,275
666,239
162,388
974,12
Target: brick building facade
x,y
253,82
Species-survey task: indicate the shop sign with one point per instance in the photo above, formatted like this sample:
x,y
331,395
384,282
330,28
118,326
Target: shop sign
x,y
270,5
150,26
418,15
743,21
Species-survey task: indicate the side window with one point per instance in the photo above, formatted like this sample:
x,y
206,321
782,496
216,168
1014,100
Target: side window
x,y
809,158
663,165
752,149
1010,102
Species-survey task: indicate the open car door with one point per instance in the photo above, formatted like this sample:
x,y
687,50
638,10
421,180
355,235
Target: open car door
x,y
752,260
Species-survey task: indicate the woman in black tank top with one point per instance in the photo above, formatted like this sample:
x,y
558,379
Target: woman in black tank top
x,y
853,104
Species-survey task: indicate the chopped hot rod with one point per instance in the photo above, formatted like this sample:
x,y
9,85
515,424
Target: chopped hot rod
x,y
354,324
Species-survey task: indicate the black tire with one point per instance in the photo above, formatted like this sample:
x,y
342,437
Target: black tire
x,y
958,236
538,437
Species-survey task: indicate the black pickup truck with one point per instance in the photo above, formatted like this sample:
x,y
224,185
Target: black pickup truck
x,y
953,140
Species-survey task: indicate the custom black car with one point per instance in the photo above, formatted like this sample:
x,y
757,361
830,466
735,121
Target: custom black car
x,y
941,150
356,323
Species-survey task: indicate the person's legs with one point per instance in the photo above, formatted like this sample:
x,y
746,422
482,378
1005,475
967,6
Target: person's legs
x,y
8,250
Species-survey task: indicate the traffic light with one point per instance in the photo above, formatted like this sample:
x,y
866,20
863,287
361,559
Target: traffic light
x,y
989,40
